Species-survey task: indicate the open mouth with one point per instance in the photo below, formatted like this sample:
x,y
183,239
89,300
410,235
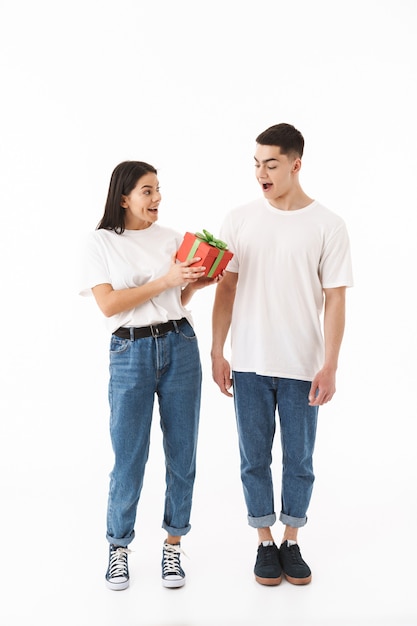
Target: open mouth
x,y
266,186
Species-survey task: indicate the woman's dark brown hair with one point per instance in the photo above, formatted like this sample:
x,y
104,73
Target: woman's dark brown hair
x,y
122,182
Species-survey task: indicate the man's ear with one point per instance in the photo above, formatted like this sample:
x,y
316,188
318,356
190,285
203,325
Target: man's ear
x,y
296,166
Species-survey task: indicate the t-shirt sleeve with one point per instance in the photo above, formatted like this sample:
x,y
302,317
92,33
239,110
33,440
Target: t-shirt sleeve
x,y
93,268
336,263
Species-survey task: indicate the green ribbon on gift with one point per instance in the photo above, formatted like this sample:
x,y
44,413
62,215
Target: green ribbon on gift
x,y
208,238
212,241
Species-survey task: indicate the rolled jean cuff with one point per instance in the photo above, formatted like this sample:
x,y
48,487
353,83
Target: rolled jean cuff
x,y
176,532
121,541
262,522
294,522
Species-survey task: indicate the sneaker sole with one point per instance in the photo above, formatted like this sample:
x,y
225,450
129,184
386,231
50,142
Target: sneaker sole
x,y
173,584
271,582
298,581
117,586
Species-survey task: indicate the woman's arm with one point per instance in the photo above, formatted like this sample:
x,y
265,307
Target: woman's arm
x,y
112,301
193,286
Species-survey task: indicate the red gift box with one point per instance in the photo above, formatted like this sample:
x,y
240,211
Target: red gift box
x,y
213,252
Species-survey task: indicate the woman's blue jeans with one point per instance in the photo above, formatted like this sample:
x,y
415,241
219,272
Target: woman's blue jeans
x,y
167,366
257,398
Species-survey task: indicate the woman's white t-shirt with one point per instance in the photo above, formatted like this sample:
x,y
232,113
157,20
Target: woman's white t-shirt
x,y
131,259
284,260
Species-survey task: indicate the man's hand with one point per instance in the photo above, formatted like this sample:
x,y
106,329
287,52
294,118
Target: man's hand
x,y
322,388
221,375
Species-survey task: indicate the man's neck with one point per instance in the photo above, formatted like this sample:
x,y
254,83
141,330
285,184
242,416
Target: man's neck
x,y
291,202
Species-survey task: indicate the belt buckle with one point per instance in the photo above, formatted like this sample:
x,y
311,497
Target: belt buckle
x,y
155,332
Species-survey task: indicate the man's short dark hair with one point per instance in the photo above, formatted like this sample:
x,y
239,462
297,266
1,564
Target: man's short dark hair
x,y
284,136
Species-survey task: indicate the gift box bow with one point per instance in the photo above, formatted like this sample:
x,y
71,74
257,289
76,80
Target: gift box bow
x,y
208,238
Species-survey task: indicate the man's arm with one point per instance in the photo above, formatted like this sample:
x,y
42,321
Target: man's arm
x,y
323,386
221,320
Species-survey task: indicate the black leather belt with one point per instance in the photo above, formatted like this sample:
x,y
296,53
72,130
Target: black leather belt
x,y
156,330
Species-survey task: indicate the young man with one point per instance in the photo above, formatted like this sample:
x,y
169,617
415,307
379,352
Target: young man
x,y
291,261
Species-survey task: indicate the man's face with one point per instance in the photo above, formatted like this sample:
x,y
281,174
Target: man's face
x,y
275,172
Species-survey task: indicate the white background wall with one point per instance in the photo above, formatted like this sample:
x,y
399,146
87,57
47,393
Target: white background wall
x,y
188,86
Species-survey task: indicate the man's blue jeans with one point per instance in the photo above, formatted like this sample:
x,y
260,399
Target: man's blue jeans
x,y
167,366
257,398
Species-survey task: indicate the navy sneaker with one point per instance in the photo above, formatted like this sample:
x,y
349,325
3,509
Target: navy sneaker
x,y
267,567
117,575
172,572
295,569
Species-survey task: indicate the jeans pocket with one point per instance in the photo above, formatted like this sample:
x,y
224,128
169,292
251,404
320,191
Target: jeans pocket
x,y
117,344
187,331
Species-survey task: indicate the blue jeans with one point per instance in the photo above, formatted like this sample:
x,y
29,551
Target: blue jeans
x,y
256,400
167,366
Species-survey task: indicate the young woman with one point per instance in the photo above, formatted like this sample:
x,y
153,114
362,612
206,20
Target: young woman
x,y
131,270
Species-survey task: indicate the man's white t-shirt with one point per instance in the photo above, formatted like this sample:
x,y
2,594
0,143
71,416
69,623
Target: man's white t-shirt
x,y
284,260
131,259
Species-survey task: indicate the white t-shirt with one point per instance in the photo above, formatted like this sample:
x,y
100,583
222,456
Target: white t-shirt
x,y
284,260
132,259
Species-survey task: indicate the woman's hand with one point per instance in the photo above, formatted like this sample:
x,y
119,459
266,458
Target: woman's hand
x,y
193,284
182,273
205,281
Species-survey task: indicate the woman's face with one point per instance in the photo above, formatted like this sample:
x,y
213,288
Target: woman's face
x,y
141,205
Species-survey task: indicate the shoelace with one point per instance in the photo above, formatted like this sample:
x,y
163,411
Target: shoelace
x,y
118,562
295,553
268,555
171,563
